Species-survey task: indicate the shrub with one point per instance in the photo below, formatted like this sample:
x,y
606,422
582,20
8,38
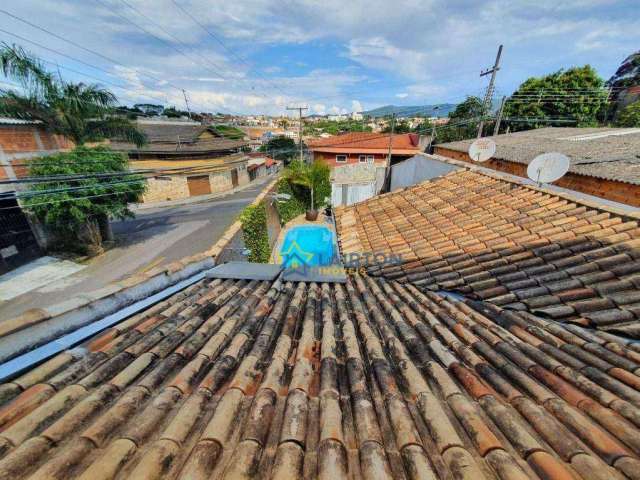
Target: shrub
x,y
254,232
290,209
629,116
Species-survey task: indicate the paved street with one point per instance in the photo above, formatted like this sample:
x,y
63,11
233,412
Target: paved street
x,y
156,236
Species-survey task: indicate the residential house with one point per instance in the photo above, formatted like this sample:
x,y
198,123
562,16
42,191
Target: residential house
x,y
20,142
366,147
190,160
492,351
604,161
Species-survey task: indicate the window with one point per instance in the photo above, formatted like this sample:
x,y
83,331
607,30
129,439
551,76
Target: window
x,y
341,158
362,158
369,158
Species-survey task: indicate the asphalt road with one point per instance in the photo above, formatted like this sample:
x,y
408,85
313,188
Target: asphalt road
x,y
156,236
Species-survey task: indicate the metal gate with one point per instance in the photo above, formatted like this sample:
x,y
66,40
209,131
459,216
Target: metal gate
x,y
18,244
199,185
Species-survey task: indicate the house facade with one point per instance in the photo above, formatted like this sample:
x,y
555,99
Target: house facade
x,y
366,148
190,159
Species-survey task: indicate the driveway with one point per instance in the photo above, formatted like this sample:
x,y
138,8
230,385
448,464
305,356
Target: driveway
x,y
156,236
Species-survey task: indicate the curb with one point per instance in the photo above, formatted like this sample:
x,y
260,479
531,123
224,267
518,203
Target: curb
x,y
191,200
236,226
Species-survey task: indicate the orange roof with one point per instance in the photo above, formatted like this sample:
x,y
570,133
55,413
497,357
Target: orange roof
x,y
385,150
357,141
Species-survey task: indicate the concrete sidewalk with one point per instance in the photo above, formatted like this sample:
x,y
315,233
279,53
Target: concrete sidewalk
x,y
201,198
34,275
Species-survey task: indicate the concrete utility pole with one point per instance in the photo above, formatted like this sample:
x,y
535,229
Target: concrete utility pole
x,y
186,102
496,129
393,126
433,131
486,104
300,109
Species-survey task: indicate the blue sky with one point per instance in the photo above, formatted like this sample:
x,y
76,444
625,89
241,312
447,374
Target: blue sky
x,y
257,56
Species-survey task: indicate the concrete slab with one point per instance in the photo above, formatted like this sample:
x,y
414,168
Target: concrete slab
x,y
42,271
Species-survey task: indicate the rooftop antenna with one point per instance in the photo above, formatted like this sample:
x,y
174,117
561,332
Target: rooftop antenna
x,y
482,149
548,167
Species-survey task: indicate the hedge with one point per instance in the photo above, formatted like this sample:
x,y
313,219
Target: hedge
x,y
254,232
290,209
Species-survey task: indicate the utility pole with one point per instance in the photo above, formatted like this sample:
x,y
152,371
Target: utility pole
x,y
186,102
300,109
489,95
496,129
393,126
433,132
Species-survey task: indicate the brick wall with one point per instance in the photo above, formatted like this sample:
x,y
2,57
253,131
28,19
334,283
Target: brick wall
x,y
18,143
610,189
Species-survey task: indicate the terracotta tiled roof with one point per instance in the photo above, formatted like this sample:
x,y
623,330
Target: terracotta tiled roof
x,y
513,245
366,140
372,379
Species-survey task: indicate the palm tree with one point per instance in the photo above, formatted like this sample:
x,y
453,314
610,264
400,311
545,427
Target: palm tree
x,y
312,177
79,111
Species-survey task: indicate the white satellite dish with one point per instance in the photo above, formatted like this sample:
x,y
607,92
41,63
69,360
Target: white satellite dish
x,y
548,167
482,149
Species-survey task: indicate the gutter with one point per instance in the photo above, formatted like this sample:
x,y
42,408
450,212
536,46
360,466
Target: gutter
x,y
23,362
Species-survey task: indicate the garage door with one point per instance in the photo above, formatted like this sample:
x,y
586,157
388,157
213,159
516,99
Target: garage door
x,y
199,185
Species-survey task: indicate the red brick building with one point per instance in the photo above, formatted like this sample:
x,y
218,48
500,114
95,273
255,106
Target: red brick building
x,y
366,147
21,140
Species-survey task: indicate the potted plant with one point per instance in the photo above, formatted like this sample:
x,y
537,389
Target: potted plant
x,y
313,178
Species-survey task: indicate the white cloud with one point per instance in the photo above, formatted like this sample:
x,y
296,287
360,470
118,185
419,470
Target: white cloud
x,y
430,50
356,106
319,109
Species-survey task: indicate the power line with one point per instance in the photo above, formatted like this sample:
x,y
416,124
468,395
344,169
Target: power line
x,y
82,47
217,39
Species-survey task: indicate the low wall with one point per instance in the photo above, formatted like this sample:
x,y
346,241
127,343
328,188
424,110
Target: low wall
x,y
614,190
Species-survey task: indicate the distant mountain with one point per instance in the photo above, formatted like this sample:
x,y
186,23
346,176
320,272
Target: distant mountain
x,y
440,110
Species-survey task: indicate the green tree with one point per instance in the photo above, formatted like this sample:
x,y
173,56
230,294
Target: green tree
x,y
78,191
255,233
334,127
281,148
629,116
576,94
463,121
401,126
81,112
310,183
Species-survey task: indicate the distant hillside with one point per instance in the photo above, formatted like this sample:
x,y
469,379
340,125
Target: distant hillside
x,y
409,111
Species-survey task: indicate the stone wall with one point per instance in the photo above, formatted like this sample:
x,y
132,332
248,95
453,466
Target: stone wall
x,y
165,188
